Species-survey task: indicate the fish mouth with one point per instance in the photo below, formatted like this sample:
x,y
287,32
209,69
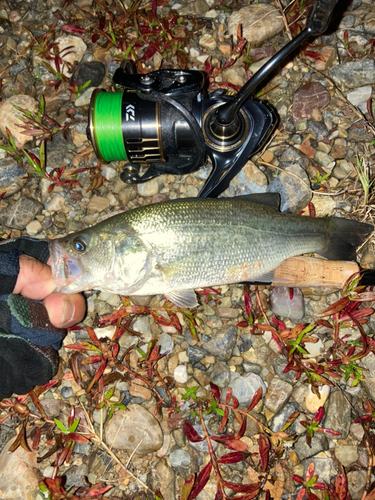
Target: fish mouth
x,y
66,271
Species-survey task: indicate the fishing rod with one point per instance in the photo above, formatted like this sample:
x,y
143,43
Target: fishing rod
x,y
166,121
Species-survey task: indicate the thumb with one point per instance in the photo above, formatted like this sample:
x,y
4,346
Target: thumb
x,y
65,310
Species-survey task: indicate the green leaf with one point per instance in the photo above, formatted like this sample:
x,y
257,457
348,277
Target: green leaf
x,y
74,425
61,426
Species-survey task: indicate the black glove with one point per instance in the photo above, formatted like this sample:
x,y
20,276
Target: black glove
x,y
28,341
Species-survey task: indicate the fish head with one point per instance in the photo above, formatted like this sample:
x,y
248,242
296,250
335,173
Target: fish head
x,y
116,262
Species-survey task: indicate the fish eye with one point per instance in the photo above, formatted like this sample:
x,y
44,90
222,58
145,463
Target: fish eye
x,y
79,244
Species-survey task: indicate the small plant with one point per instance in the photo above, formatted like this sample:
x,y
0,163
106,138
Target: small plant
x,y
78,90
364,176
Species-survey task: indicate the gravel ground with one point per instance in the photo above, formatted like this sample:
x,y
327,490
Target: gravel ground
x,y
320,159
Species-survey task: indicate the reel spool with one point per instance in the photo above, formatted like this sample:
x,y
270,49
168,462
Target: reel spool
x,y
166,120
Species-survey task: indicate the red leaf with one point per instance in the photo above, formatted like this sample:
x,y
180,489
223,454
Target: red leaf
x,y
219,492
336,307
191,433
243,488
230,442
215,392
91,333
242,324
324,322
247,301
256,398
224,421
318,415
278,342
242,429
201,481
233,458
264,447
72,28
187,487
75,437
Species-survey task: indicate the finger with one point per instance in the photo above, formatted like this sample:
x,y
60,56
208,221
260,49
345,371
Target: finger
x,y
65,310
34,279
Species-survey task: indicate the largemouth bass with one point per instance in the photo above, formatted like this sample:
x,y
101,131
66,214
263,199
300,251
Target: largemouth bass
x,y
173,247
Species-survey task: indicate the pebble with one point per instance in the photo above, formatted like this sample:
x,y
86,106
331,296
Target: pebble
x,y
346,454
57,203
318,443
294,194
166,343
220,374
338,414
309,97
283,305
180,374
18,474
249,180
19,214
149,188
356,483
179,458
208,42
278,394
12,176
245,387
33,228
278,420
349,74
121,433
313,402
98,204
10,117
222,344
260,22
92,71
369,383
360,96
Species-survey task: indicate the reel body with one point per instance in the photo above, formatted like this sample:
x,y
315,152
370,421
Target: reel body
x,y
162,119
166,120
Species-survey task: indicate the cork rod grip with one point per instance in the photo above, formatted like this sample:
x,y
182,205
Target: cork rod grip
x,y
310,272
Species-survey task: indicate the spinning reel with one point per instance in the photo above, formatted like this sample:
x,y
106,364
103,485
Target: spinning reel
x,y
164,119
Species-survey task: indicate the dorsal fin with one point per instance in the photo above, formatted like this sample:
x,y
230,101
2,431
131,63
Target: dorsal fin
x,y
270,199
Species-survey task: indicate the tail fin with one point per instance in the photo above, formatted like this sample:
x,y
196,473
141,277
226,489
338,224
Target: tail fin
x,y
344,237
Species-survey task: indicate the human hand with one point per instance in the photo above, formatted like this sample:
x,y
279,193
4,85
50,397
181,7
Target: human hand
x,y
30,332
34,281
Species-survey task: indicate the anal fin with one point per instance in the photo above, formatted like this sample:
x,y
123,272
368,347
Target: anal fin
x,y
182,298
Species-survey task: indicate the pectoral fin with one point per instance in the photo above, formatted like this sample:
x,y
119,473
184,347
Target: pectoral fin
x,y
182,298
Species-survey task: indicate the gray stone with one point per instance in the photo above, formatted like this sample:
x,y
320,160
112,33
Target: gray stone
x,y
283,305
346,454
222,344
309,97
356,483
348,75
166,343
318,443
338,415
21,213
179,458
294,194
220,374
369,24
244,388
318,129
278,420
260,22
278,394
369,383
360,96
135,429
252,427
279,363
252,367
249,180
12,177
162,478
76,476
195,353
359,133
93,72
324,468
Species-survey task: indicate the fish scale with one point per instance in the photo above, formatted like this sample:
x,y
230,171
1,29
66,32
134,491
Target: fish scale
x,y
173,247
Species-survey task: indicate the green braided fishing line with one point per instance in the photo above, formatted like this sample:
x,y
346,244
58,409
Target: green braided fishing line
x,y
107,126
